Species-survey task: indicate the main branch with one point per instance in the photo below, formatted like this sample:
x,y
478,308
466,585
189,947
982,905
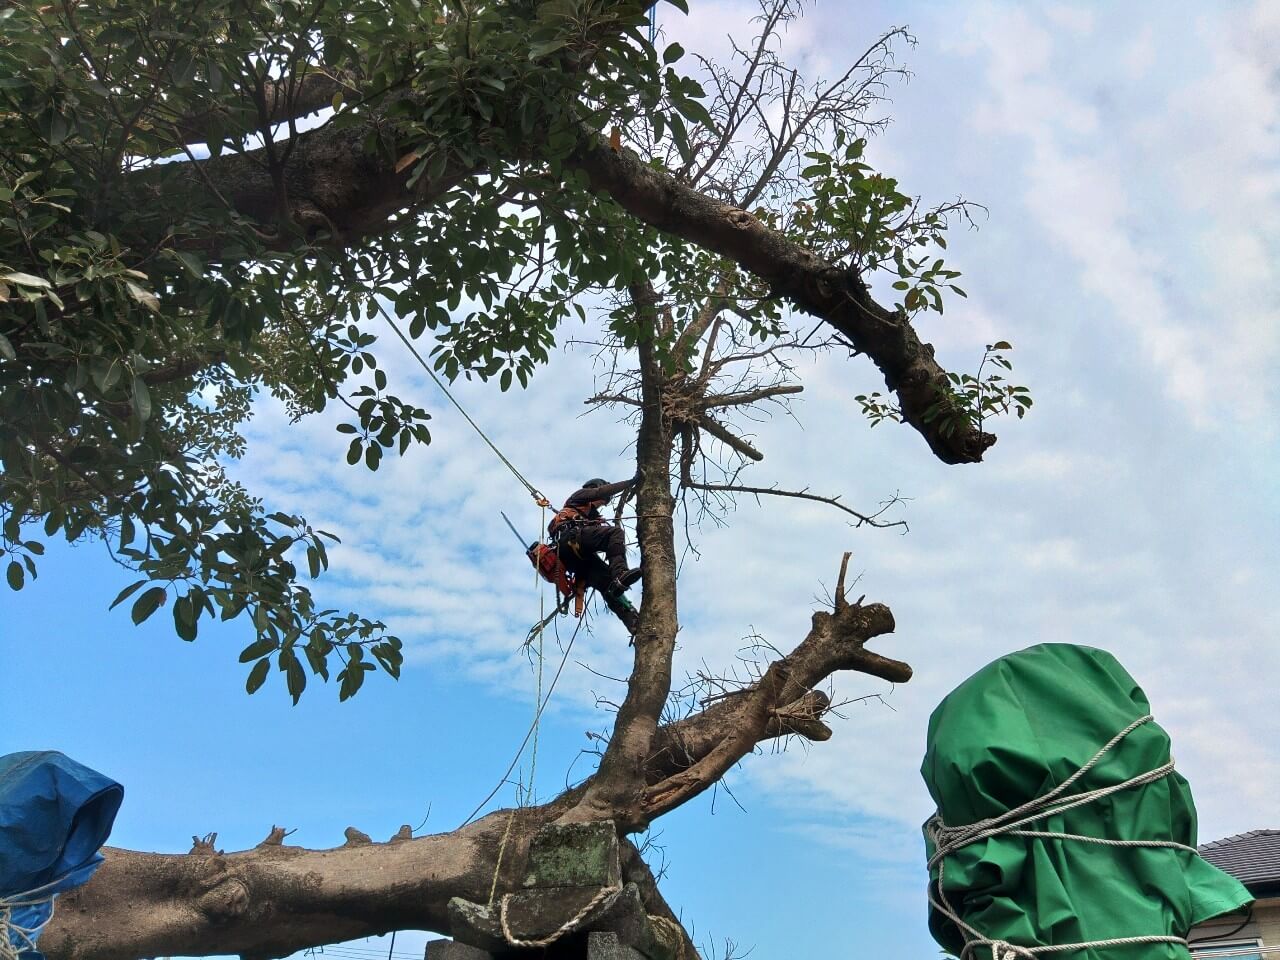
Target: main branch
x,y
828,291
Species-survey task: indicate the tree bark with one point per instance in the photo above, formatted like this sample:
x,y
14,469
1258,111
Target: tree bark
x,y
614,792
330,185
274,900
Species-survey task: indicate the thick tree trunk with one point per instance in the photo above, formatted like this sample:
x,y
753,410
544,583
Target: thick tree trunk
x,y
274,900
615,790
331,186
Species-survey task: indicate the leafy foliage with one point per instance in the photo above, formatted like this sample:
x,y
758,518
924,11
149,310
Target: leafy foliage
x,y
142,310
172,246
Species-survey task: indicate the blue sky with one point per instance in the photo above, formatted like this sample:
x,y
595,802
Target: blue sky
x,y
1129,156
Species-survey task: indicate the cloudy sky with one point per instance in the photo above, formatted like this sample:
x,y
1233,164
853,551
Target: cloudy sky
x,y
1129,157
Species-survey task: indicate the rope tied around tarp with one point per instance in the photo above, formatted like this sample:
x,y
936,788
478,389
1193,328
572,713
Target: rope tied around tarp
x,y
947,839
16,939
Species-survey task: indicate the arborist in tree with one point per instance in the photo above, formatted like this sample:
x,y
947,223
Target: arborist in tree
x,y
580,534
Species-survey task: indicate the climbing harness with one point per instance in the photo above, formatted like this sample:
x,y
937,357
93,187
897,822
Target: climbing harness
x,y
947,840
546,561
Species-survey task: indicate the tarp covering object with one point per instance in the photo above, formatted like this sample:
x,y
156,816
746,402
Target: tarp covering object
x,y
55,814
1012,732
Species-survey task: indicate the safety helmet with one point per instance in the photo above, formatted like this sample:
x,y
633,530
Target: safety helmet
x,y
594,482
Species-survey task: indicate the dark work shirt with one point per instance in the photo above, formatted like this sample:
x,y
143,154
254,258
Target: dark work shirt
x,y
580,498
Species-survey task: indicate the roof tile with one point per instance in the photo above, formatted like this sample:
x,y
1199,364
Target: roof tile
x,y
1253,858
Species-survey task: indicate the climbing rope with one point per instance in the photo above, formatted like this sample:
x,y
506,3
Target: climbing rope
x,y
947,840
533,750
551,688
534,492
535,634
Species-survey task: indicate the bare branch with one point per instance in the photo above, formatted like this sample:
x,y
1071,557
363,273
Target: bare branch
x,y
872,520
727,438
826,290
752,396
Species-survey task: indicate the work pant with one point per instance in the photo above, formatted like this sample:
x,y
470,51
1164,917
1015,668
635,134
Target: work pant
x,y
593,539
579,552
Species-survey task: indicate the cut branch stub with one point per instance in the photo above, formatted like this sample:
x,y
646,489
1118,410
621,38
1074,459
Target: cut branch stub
x,y
356,837
204,846
275,838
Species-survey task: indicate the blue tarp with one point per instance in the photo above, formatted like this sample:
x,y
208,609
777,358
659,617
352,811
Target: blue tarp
x,y
55,814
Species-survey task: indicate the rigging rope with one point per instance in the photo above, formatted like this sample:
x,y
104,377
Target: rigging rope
x,y
15,938
545,700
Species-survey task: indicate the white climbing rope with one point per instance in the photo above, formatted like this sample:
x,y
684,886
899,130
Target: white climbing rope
x,y
565,928
947,840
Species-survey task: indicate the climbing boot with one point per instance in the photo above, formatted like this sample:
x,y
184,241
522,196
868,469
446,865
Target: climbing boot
x,y
622,583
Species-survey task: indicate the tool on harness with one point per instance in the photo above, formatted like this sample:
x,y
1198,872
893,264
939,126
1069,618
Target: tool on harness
x,y
546,560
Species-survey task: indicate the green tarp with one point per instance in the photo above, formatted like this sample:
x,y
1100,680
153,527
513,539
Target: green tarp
x,y
1013,731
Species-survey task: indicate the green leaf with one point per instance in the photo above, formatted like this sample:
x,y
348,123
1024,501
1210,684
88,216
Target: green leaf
x,y
141,400
184,618
148,603
126,593
15,575
351,679
539,50
1002,345
258,675
189,261
672,53
259,648
26,280
6,348
144,297
317,661
294,676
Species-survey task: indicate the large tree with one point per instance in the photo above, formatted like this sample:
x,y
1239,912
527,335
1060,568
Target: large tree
x,y
206,199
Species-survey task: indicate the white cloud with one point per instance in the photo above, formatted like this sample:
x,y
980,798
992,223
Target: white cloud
x,y
1140,54
1077,20
1093,521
